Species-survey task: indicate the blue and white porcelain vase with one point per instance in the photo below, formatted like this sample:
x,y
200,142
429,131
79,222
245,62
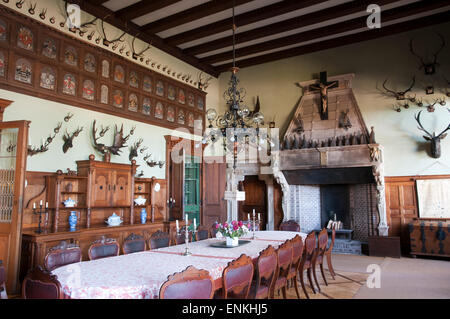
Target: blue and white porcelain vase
x,y
73,219
143,216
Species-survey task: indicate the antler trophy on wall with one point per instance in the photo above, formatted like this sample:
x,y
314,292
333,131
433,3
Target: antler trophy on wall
x,y
429,67
68,139
118,143
400,95
435,139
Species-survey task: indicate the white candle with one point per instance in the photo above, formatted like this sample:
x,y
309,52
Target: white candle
x,y
46,204
253,213
195,224
187,222
248,216
259,216
34,205
178,226
40,203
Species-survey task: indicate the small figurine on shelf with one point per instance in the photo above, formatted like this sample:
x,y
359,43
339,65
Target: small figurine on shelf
x,y
143,216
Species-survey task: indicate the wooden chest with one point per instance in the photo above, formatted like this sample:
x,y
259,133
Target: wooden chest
x,y
430,237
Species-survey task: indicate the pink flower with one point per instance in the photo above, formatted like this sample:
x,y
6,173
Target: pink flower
x,y
233,222
225,225
235,227
240,223
217,226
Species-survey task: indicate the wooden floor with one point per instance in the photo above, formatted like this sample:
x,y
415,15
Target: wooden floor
x,y
345,286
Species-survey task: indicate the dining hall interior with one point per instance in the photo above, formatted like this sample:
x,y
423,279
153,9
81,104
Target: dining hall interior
x,y
239,149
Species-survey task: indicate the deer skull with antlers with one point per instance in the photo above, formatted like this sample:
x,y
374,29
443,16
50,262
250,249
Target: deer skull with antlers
x,y
118,143
435,139
68,139
400,95
107,42
430,67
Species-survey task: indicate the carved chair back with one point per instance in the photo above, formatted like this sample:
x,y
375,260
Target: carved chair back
x,y
202,233
297,252
105,247
2,280
333,237
159,239
284,254
266,267
191,283
180,238
41,284
133,244
310,248
61,255
322,244
237,278
290,225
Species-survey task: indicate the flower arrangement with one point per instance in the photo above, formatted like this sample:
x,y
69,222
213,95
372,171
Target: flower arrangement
x,y
235,229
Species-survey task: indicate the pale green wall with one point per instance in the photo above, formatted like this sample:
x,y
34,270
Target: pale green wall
x,y
372,62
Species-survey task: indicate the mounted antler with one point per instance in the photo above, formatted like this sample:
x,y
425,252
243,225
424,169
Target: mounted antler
x,y
430,68
430,107
107,42
134,149
137,55
153,163
32,8
203,82
44,146
68,139
401,95
101,148
435,139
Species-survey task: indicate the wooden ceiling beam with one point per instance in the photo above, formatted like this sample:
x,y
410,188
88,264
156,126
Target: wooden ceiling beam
x,y
253,16
286,25
341,41
189,15
142,8
346,26
134,30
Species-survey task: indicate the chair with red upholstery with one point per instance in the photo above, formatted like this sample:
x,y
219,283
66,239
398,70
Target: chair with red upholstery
x,y
191,283
41,284
290,225
202,233
237,278
61,255
102,248
2,281
180,238
133,244
306,262
297,247
328,253
284,254
265,272
159,239
319,255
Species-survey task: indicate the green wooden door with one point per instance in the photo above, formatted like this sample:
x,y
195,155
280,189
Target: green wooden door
x,y
192,189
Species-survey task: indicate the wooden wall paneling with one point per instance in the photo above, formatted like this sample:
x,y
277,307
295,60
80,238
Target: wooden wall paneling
x,y
214,184
255,198
51,50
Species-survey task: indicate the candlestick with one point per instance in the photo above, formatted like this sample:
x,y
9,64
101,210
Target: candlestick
x,y
40,203
40,212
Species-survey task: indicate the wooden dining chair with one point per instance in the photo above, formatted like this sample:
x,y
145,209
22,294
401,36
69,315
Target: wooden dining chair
x,y
284,254
290,225
306,262
266,267
297,252
202,233
329,251
41,284
61,255
159,239
191,283
102,248
3,294
179,239
237,278
133,244
319,255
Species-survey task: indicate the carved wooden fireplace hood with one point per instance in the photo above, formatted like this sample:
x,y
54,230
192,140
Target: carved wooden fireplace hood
x,y
336,150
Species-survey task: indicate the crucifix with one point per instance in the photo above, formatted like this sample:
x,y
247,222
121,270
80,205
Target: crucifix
x,y
323,87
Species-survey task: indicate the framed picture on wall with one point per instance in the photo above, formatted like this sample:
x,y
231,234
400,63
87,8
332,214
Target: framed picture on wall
x,y
433,199
47,77
3,63
4,30
25,38
49,48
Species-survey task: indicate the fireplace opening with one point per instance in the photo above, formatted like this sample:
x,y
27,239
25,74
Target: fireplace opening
x,y
335,205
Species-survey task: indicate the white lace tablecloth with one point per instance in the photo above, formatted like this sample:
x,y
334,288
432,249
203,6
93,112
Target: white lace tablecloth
x,y
140,275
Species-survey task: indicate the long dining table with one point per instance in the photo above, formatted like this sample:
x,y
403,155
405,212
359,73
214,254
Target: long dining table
x,y
140,275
